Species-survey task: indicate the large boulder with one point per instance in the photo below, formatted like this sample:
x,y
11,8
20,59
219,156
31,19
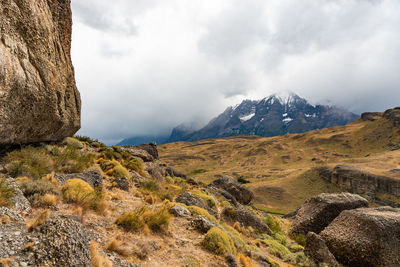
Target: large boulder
x,y
190,199
94,179
38,96
151,148
245,217
238,191
365,237
319,211
317,250
60,241
138,152
393,115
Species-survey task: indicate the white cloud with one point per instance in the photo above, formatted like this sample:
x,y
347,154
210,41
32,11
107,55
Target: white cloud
x,y
144,66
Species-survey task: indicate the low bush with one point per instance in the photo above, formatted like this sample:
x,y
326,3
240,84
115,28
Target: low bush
x,y
136,164
209,200
29,161
272,223
149,185
73,143
218,242
98,260
299,238
81,193
156,219
297,259
35,190
6,193
295,248
276,248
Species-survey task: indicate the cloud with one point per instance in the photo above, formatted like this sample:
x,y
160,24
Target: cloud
x,y
145,66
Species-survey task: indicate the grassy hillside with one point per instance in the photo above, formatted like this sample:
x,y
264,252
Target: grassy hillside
x,y
280,169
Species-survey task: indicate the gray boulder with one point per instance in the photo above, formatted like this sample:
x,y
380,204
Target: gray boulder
x,y
180,211
317,250
151,148
189,199
365,237
137,152
39,98
202,224
59,242
238,191
246,218
94,179
319,211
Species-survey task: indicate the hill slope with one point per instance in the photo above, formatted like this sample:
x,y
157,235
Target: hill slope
x,y
281,169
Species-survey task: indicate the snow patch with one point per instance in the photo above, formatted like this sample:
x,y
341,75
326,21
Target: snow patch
x,y
310,115
284,114
287,120
248,117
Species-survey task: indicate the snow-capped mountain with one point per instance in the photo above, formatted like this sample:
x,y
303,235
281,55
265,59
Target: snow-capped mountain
x,y
274,115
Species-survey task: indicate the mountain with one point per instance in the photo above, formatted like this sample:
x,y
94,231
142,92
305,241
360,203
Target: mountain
x,y
272,116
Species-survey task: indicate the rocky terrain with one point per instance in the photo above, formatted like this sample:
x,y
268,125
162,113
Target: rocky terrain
x,y
39,100
81,203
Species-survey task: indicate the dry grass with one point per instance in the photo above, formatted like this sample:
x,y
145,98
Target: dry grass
x,y
6,262
6,193
98,260
49,200
121,248
245,261
5,220
274,165
38,220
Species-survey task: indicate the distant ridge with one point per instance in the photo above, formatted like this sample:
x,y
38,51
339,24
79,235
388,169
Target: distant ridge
x,y
277,114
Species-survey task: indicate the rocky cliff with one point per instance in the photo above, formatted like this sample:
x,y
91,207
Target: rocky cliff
x,y
39,100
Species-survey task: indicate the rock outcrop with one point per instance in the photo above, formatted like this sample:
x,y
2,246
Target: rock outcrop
x,y
365,237
319,211
239,192
357,181
39,100
317,250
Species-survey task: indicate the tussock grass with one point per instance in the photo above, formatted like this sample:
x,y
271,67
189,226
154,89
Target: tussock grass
x,y
218,242
98,260
136,164
35,190
157,219
38,220
6,193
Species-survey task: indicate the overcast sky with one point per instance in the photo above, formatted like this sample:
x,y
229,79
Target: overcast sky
x,y
144,66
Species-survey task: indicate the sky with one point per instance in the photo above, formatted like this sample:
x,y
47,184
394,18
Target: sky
x,y
145,66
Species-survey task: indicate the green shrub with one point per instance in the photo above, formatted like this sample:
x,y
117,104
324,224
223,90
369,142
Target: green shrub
x,y
295,247
218,242
70,160
281,237
156,219
209,200
276,248
297,259
73,143
34,190
119,172
29,161
230,212
169,180
6,193
272,223
149,185
199,211
299,238
136,164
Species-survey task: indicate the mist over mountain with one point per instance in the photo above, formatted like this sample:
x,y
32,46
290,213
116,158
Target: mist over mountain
x,y
277,114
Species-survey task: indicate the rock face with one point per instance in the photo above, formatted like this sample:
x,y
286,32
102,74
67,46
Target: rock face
x,y
319,211
393,115
317,250
246,218
356,181
365,237
239,192
59,242
39,100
